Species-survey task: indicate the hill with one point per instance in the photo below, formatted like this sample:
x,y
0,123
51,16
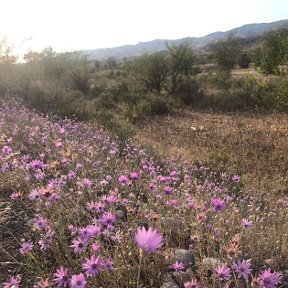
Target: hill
x,y
248,31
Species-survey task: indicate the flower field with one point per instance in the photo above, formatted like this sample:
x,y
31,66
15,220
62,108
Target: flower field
x,y
79,208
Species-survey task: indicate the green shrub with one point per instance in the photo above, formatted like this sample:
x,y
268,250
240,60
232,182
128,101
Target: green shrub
x,y
222,80
149,105
122,129
106,100
263,94
189,91
64,102
280,93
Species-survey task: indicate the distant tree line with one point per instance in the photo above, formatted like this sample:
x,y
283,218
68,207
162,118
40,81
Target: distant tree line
x,y
69,85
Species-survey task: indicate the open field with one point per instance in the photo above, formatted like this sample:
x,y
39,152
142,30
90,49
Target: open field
x,y
254,145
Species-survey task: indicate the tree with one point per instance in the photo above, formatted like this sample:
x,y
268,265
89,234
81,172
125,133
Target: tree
x,y
150,69
7,66
69,68
274,52
6,56
181,60
244,60
111,63
226,52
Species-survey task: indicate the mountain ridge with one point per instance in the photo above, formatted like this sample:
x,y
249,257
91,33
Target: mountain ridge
x,y
197,43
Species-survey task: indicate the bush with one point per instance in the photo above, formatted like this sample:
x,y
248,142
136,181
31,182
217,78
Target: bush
x,y
222,80
106,100
122,129
262,94
189,91
149,105
64,102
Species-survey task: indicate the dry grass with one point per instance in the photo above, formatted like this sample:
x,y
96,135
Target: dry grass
x,y
253,145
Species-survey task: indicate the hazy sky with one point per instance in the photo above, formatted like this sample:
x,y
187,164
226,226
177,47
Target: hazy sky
x,y
87,24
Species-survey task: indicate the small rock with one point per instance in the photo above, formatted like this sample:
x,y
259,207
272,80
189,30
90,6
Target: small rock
x,y
210,263
14,225
184,256
171,223
120,215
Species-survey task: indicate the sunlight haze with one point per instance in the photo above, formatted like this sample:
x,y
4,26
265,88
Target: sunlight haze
x,y
72,25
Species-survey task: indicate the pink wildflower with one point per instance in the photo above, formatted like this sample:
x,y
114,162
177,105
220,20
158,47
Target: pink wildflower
x,y
148,240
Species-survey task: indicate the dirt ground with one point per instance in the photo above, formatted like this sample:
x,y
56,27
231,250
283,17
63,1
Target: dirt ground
x,y
252,145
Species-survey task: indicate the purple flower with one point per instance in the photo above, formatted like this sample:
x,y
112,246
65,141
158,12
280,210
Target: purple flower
x,y
13,282
134,176
104,182
269,279
123,180
93,231
26,247
245,223
41,223
71,175
116,238
15,195
6,150
187,178
148,240
153,187
178,266
78,281
34,195
92,266
235,178
223,273
168,190
36,165
78,166
91,206
163,179
108,218
71,228
79,245
192,284
95,247
85,183
61,277
100,207
242,268
219,204
108,264
112,199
